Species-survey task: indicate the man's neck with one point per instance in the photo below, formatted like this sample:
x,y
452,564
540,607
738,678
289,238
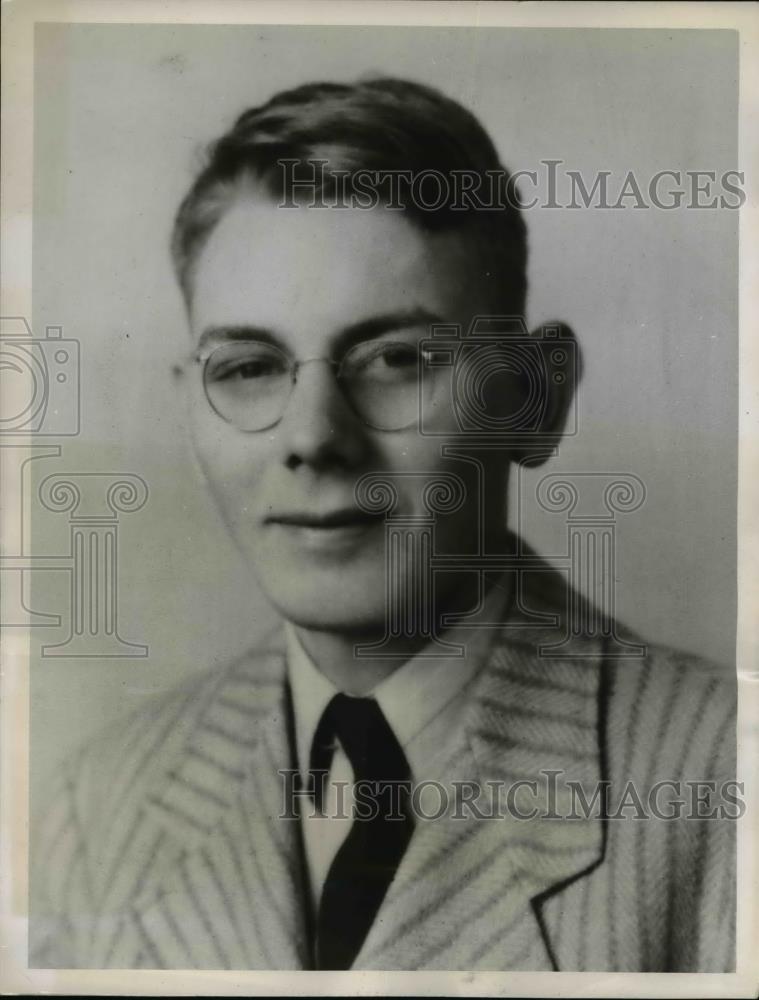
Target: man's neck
x,y
334,653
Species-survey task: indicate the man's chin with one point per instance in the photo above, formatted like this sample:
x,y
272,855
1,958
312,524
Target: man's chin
x,y
330,606
359,624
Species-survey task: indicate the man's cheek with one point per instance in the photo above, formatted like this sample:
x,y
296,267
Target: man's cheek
x,y
242,504
229,464
233,490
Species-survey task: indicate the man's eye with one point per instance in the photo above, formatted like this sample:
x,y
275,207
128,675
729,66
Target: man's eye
x,y
385,361
247,369
400,356
256,369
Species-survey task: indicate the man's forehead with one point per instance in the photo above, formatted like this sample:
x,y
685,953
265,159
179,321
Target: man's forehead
x,y
258,227
281,266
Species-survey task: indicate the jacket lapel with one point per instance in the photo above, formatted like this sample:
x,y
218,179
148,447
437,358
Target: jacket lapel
x,y
468,892
233,897
229,885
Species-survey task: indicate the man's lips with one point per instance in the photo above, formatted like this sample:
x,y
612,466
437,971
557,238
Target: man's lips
x,y
344,518
327,535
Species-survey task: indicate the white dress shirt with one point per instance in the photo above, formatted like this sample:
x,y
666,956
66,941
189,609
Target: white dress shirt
x,y
422,701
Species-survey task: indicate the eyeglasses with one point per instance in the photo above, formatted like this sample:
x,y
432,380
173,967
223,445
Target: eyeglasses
x,y
249,383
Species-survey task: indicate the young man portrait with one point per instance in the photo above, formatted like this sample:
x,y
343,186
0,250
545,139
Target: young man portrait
x,y
445,757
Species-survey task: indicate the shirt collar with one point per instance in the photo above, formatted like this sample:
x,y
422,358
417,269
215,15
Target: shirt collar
x,y
412,697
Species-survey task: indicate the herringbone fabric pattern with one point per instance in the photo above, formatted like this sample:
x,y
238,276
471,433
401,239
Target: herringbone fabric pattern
x,y
162,847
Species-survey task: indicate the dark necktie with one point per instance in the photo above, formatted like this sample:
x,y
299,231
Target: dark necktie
x,y
368,858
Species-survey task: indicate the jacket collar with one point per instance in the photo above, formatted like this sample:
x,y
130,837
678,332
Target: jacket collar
x,y
243,711
466,894
237,873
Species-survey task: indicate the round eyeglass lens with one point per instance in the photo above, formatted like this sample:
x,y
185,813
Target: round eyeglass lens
x,y
382,382
248,384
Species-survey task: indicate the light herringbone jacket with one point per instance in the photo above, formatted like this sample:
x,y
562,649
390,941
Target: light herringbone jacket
x,y
163,847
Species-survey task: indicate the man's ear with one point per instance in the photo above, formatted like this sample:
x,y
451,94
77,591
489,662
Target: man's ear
x,y
560,376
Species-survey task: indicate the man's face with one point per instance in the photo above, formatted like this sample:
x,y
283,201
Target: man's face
x,y
309,278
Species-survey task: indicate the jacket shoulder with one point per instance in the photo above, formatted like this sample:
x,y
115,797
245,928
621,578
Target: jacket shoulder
x,y
669,714
664,713
121,763
116,769
100,795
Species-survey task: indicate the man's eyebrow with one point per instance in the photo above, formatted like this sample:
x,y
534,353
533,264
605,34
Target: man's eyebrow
x,y
219,334
376,326
366,329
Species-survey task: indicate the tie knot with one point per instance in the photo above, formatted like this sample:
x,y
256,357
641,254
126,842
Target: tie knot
x,y
364,734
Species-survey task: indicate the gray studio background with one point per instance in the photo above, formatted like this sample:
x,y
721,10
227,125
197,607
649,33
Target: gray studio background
x,y
121,113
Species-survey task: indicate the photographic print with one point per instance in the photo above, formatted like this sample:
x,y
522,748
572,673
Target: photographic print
x,y
371,453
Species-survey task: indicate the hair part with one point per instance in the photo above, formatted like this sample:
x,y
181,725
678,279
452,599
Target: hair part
x,y
383,125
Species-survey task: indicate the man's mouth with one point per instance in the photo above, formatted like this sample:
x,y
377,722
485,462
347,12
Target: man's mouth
x,y
330,520
327,533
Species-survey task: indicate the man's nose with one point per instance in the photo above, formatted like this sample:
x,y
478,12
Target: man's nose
x,y
319,428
